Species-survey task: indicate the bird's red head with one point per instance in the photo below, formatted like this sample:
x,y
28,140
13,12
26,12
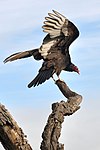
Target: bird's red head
x,y
71,67
75,68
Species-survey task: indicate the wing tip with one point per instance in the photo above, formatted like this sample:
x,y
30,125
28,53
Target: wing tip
x,y
5,61
54,11
29,85
59,14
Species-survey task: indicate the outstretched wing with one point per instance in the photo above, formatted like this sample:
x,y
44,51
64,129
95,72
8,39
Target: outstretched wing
x,y
57,25
35,53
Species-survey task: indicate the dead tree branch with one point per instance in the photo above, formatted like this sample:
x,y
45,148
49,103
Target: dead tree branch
x,y
11,136
53,127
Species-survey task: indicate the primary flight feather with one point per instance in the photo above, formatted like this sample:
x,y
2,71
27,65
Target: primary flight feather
x,y
54,50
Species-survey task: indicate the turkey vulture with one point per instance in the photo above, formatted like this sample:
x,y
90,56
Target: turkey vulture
x,y
54,50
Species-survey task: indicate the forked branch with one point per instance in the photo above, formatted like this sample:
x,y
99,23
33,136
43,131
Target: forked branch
x,y
13,138
53,127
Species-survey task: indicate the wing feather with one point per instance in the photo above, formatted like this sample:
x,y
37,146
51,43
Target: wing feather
x,y
61,32
56,17
53,24
48,23
53,21
63,18
56,24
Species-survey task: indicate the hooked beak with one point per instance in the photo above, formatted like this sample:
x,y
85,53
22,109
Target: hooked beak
x,y
78,71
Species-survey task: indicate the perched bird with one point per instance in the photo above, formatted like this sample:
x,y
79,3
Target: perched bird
x,y
54,50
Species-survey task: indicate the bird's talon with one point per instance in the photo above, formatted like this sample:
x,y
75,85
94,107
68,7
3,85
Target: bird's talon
x,y
61,80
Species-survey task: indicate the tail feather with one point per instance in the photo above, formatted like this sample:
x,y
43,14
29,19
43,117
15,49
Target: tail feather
x,y
35,53
41,77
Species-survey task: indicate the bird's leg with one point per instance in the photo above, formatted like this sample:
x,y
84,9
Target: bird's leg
x,y
59,78
53,78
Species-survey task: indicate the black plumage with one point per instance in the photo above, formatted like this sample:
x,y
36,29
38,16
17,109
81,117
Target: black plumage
x,y
54,50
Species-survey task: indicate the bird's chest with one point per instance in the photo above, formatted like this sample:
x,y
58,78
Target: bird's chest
x,y
60,61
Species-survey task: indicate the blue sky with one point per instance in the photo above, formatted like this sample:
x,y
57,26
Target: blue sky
x,y
20,29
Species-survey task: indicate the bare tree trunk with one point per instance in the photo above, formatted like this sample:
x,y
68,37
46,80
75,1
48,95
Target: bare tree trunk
x,y
53,127
11,135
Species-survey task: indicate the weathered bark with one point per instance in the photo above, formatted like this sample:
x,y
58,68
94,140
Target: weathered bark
x,y
11,135
53,127
13,138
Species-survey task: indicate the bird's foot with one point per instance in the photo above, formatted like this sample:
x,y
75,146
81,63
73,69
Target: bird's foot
x,y
60,79
57,79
